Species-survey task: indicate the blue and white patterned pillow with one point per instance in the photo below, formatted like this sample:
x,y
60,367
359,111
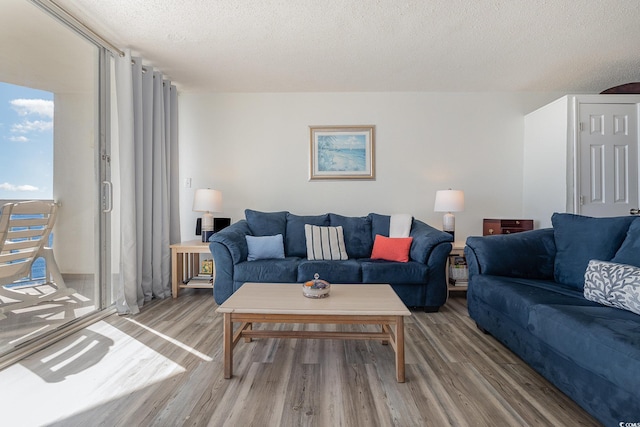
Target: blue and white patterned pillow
x,y
612,284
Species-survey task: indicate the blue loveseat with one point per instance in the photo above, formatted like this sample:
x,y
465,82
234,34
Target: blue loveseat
x,y
526,290
420,282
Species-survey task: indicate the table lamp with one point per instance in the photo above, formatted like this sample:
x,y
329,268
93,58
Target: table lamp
x,y
449,201
207,200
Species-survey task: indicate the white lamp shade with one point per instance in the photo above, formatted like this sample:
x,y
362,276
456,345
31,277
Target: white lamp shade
x,y
207,200
449,201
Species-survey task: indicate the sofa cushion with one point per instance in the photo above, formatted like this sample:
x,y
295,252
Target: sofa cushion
x,y
529,254
266,223
580,239
357,234
378,271
629,252
295,243
325,243
265,247
603,340
332,271
380,224
514,297
272,270
391,249
615,285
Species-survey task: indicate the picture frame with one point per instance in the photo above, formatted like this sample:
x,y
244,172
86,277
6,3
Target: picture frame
x,y
342,152
206,267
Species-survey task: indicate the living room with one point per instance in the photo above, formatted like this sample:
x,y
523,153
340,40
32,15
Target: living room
x,y
448,108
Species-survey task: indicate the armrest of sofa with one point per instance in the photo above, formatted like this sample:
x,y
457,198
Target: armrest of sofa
x,y
228,247
425,239
530,254
233,239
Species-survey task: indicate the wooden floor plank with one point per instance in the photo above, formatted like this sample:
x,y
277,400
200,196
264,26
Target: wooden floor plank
x,y
164,367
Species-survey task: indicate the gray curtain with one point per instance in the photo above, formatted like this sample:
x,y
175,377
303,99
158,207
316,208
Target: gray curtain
x,y
149,215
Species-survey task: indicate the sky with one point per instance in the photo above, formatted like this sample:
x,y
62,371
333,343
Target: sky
x,y
26,143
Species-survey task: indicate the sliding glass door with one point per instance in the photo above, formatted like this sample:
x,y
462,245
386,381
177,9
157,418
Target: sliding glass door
x,y
54,135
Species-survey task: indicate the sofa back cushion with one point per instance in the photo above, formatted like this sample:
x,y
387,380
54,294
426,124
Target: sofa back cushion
x,y
580,239
357,234
380,224
629,252
266,223
295,243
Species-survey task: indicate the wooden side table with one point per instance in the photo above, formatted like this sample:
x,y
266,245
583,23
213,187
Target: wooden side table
x,y
185,266
453,283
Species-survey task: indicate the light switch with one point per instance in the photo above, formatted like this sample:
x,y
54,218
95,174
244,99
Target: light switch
x,y
187,183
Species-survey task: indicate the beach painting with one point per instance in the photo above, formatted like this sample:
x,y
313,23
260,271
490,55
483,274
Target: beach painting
x,y
342,152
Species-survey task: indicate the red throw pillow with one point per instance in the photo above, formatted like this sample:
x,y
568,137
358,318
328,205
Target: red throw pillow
x,y
391,248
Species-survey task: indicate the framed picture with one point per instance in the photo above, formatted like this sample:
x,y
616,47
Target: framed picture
x,y
342,152
206,267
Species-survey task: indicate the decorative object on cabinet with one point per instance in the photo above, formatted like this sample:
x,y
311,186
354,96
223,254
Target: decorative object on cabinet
x,y
449,201
342,152
207,200
505,226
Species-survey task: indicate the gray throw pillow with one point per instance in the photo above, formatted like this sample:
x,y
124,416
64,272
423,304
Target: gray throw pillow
x,y
612,284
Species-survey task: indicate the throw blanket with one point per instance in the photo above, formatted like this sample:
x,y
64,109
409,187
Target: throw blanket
x,y
400,225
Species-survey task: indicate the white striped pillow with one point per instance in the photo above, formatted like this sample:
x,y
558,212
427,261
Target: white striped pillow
x,y
325,243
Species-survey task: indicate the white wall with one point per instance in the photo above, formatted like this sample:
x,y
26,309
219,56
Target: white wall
x,y
255,148
547,165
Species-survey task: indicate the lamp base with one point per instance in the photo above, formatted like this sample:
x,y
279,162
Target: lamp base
x,y
449,224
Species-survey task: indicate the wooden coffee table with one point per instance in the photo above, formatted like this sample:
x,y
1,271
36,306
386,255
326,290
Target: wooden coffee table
x,y
284,303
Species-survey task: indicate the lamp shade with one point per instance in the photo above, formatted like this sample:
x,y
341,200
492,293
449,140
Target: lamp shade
x,y
207,200
449,201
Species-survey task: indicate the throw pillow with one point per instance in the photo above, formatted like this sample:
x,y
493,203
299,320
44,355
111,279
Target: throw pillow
x,y
326,243
612,284
629,252
265,247
391,248
580,239
266,223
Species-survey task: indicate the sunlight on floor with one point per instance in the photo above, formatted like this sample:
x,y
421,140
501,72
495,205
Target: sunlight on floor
x,y
66,378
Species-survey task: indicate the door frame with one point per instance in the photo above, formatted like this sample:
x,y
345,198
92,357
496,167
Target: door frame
x,y
575,154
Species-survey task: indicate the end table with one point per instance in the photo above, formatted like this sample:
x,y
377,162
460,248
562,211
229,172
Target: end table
x,y
457,273
185,266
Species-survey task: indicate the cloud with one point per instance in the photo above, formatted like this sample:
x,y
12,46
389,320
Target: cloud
x,y
40,107
19,138
10,187
32,126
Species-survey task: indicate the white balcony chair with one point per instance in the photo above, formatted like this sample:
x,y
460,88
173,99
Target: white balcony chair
x,y
24,234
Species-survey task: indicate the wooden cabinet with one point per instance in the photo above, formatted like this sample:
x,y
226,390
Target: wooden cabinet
x,y
505,226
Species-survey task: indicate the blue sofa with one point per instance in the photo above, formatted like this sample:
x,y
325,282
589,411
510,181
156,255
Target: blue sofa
x,y
420,282
526,290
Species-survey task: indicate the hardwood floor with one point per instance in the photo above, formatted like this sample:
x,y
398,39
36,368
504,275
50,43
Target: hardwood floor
x,y
163,367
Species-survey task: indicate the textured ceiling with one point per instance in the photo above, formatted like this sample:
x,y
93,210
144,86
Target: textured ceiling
x,y
377,45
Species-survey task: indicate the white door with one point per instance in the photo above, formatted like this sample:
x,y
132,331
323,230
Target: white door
x,y
608,165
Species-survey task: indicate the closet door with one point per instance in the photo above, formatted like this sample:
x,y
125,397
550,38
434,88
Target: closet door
x,y
607,159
